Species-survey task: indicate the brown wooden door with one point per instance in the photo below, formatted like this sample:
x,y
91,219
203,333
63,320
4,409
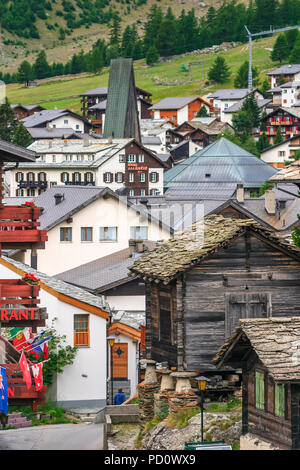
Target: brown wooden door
x,y
120,361
238,306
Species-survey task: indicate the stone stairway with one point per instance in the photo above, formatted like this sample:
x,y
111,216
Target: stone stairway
x,y
18,421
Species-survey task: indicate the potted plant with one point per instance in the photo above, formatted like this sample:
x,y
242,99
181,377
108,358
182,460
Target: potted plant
x,y
31,279
30,203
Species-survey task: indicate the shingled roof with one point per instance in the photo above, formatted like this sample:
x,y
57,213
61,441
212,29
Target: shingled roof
x,y
180,253
290,174
276,342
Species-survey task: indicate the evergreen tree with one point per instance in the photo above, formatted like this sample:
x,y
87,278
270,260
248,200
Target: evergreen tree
x,y
203,112
265,86
25,72
219,72
115,31
247,117
41,67
279,136
22,136
291,37
8,122
241,79
280,49
294,57
152,55
152,26
262,142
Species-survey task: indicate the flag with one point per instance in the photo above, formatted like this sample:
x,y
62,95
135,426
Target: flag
x,y
3,391
45,350
37,370
25,369
20,342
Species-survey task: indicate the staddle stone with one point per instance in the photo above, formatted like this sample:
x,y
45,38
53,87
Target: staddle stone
x,y
183,384
150,374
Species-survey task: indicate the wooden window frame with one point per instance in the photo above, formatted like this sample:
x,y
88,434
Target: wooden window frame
x,y
134,227
133,160
65,229
85,234
277,411
81,338
106,240
259,405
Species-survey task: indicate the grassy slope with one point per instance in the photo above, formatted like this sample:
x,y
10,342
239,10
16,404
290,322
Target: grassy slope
x,y
84,38
65,93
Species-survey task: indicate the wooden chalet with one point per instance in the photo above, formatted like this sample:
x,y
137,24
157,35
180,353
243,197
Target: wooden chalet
x,y
23,111
268,351
201,282
19,300
288,119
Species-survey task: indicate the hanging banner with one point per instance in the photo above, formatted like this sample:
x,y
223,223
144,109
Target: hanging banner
x,y
3,391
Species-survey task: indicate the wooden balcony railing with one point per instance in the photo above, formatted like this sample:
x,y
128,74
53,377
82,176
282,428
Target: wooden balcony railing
x,y
19,304
19,227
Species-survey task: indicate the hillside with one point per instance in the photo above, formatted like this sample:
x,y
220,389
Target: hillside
x,y
64,92
14,48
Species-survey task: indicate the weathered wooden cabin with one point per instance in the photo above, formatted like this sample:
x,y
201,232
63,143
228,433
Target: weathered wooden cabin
x,y
200,283
268,351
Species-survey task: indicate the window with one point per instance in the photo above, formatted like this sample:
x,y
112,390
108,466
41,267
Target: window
x,y
66,121
30,192
19,177
142,177
81,330
281,153
280,400
66,234
54,158
119,178
174,118
121,158
131,158
260,390
131,192
77,127
108,234
89,177
42,176
30,176
107,177
154,177
86,234
64,177
139,233
131,177
76,177
141,158
143,192
19,192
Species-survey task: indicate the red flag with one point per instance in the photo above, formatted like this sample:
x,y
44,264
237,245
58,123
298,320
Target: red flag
x,y
37,370
45,350
20,342
25,369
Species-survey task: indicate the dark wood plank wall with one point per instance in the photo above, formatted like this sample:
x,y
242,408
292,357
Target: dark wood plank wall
x,y
248,266
265,423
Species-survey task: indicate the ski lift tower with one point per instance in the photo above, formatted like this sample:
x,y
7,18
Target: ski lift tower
x,y
262,33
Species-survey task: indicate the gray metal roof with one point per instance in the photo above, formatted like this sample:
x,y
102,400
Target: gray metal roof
x,y
175,102
14,153
101,105
237,106
285,70
41,117
50,133
101,90
63,287
100,274
220,162
230,93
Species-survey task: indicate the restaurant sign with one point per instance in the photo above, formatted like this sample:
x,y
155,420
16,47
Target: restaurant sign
x,y
10,314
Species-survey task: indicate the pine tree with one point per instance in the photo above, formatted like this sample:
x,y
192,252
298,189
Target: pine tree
x,y
115,31
25,72
279,136
203,112
262,142
294,57
280,49
152,55
22,136
41,67
241,79
8,122
219,72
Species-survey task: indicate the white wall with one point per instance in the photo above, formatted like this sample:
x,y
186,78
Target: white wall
x,y
73,123
60,256
182,115
91,361
127,302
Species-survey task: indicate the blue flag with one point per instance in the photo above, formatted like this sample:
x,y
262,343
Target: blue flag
x,y
3,391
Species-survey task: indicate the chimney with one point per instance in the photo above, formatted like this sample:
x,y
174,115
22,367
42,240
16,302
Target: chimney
x,y
58,198
136,246
85,142
240,193
109,140
270,202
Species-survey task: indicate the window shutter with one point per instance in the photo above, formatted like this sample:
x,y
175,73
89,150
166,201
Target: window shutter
x,y
123,177
104,177
116,177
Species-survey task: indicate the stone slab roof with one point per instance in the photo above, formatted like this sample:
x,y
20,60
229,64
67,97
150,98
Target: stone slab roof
x,y
180,253
290,174
276,341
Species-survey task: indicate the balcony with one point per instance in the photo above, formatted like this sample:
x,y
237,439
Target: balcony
x,y
80,183
33,184
19,228
19,304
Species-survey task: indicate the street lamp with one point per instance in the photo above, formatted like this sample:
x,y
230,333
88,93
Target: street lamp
x,y
111,340
202,381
